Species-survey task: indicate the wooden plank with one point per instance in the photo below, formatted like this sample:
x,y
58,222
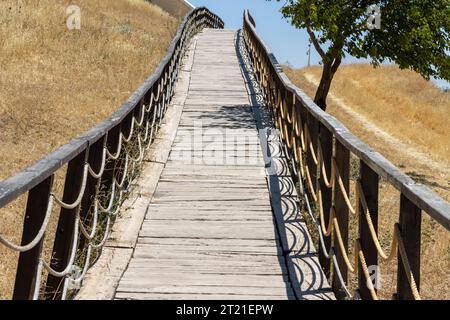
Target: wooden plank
x,y
212,262
249,243
216,182
410,224
211,158
326,143
168,213
197,231
205,289
209,217
139,281
188,188
238,173
207,196
147,268
206,133
66,226
342,156
154,266
230,227
174,167
175,207
176,211
176,190
103,279
230,248
27,266
369,185
185,296
213,205
242,143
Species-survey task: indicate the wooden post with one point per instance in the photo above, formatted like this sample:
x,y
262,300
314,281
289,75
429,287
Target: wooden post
x,y
410,227
369,184
64,234
313,126
342,156
326,141
36,210
126,130
95,160
112,141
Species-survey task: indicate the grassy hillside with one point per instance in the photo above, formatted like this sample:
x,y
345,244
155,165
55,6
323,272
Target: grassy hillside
x,y
56,83
406,119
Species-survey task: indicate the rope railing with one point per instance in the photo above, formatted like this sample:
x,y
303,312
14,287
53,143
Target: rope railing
x,y
318,149
101,166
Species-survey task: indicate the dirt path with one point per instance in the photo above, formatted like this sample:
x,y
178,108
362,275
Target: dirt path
x,y
413,151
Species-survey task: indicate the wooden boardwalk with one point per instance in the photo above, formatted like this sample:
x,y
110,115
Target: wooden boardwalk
x,y
209,232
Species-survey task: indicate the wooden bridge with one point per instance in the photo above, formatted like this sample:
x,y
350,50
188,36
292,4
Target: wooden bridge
x,y
198,188
209,231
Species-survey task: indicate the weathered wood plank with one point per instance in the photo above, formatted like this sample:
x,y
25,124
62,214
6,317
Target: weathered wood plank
x,y
250,243
140,281
196,229
204,289
197,296
146,265
213,262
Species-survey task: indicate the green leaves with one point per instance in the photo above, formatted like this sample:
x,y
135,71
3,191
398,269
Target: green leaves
x,y
414,33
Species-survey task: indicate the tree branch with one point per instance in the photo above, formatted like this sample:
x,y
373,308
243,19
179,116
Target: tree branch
x,y
314,40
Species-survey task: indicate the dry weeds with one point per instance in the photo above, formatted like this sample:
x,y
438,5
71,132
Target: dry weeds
x,y
56,83
417,113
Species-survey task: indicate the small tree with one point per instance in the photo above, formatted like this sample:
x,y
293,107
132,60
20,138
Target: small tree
x,y
414,34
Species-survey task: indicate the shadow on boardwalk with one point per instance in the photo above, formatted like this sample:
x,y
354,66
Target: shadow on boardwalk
x,y
300,257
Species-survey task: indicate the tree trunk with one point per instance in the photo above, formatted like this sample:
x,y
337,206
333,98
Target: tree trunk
x,y
328,72
324,87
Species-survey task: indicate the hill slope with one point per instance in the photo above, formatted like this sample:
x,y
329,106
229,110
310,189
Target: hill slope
x,y
56,83
396,111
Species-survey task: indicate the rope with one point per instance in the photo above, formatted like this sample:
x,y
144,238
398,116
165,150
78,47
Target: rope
x,y
372,231
39,236
87,235
406,265
141,121
73,252
141,152
119,149
303,174
102,167
80,193
342,187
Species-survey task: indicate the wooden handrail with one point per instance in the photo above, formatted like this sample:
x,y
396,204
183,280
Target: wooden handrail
x,y
328,144
96,178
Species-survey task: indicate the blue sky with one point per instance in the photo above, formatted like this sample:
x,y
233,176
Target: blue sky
x,y
288,43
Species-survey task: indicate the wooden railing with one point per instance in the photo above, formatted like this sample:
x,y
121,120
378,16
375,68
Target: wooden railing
x,y
100,167
319,147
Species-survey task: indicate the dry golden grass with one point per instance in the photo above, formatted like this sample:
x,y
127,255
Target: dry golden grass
x,y
403,106
409,110
56,83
